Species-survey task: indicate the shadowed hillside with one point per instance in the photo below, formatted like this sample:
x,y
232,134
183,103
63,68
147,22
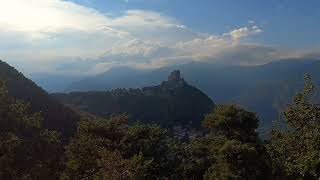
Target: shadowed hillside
x,y
56,116
265,89
171,103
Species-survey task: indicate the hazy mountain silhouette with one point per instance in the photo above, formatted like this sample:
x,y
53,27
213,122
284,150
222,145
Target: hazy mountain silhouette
x,y
265,89
173,102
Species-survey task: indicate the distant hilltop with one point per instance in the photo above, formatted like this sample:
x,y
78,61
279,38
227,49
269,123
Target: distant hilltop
x,y
174,80
172,103
175,76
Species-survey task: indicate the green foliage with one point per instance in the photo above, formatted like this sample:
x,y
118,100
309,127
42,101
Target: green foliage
x,y
235,151
232,122
152,142
303,113
27,151
236,160
295,150
111,148
84,151
114,166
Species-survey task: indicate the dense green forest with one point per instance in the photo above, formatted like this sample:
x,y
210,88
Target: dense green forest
x,y
226,146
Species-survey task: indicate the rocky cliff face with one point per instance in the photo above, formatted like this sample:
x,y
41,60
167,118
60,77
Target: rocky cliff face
x,y
174,81
175,76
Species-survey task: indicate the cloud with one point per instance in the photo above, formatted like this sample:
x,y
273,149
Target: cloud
x,y
61,36
42,29
47,29
237,34
38,17
152,26
221,49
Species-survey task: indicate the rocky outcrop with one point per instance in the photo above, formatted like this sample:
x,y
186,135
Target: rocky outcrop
x,y
175,76
174,81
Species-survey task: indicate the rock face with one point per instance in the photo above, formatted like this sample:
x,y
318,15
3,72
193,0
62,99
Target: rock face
x,y
175,76
174,81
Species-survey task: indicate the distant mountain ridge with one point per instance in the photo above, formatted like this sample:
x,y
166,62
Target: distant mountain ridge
x,y
56,115
265,89
172,103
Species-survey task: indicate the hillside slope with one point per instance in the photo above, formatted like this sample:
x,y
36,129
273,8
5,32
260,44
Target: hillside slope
x,y
174,102
265,89
56,116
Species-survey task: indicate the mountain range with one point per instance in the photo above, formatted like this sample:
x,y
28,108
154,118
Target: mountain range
x,y
265,89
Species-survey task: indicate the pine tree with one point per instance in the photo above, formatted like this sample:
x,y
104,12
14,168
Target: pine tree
x,y
294,150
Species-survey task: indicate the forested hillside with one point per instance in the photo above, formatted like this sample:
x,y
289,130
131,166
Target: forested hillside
x,y
228,146
56,116
173,102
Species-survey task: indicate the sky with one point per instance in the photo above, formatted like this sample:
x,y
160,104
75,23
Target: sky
x,y
92,36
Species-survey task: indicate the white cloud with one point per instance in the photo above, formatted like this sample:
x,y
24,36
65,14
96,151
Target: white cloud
x,y
40,16
63,28
152,26
237,34
42,29
45,35
225,48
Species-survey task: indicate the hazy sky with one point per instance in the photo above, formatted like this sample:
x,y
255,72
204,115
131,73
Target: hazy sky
x,y
91,36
